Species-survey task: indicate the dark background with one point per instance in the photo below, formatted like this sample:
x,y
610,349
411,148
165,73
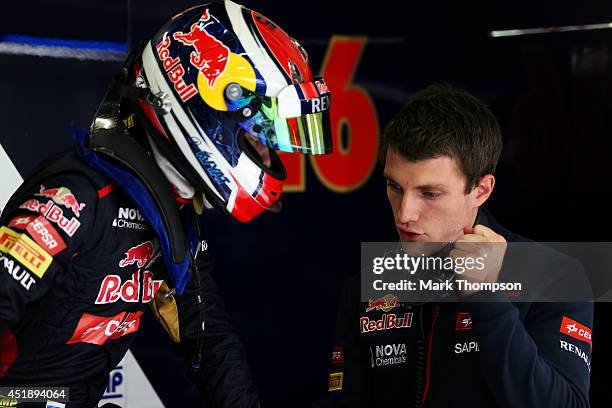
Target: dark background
x,y
281,275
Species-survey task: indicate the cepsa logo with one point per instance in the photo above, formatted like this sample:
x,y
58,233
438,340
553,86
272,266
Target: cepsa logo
x,y
464,321
576,330
337,355
97,330
43,233
22,221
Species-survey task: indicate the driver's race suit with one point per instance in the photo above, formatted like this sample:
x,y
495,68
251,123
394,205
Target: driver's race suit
x,y
79,265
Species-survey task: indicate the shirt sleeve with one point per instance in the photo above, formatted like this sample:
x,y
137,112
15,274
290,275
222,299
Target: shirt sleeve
x,y
349,383
41,230
224,374
542,362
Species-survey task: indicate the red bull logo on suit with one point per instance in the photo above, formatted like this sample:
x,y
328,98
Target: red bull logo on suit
x,y
139,255
112,290
62,196
385,303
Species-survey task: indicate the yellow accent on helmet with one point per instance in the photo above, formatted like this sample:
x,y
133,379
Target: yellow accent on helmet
x,y
238,70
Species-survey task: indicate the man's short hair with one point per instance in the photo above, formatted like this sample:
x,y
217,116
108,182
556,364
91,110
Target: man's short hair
x,y
442,120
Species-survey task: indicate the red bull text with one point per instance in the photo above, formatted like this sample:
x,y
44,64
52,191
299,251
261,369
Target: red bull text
x,y
175,71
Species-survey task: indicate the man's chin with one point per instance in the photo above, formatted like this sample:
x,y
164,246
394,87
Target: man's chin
x,y
419,248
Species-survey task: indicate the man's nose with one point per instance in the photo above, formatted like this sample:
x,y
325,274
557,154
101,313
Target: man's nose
x,y
408,210
262,150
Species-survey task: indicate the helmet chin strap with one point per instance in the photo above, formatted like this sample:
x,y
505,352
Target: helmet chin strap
x,y
183,188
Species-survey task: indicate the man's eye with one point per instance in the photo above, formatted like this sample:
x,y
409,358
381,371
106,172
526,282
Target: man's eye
x,y
430,195
393,186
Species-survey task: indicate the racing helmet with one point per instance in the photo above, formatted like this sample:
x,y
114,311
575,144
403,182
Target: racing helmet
x,y
217,74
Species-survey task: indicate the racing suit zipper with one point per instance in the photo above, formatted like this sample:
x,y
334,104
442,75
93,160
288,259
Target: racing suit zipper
x,y
436,310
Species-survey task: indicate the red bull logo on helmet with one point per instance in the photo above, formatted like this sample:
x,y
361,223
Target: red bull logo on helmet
x,y
322,86
175,71
210,56
62,196
140,255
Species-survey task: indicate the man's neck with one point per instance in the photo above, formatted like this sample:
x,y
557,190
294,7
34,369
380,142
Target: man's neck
x,y
474,217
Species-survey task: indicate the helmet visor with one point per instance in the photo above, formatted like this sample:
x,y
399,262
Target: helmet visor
x,y
296,121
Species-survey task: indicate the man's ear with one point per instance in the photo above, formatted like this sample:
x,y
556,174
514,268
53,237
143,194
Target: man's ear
x,y
484,189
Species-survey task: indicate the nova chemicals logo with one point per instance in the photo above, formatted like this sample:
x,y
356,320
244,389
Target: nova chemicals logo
x,y
130,218
388,354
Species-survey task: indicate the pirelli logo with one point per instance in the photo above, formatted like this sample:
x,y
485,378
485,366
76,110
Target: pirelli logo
x,y
129,121
25,250
335,381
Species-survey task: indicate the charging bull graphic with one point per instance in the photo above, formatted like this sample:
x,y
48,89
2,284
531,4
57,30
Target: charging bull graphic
x,y
210,55
140,255
62,196
385,303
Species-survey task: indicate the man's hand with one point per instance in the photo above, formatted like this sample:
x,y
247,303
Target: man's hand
x,y
480,242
